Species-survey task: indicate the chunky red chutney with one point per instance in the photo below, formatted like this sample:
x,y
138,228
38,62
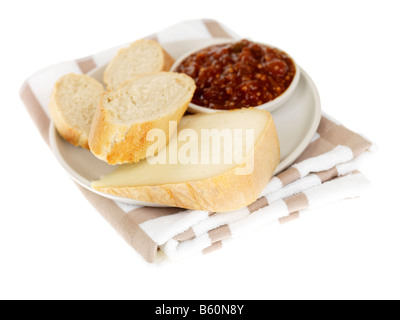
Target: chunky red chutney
x,y
238,75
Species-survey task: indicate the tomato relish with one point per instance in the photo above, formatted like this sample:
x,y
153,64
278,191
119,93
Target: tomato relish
x,y
238,75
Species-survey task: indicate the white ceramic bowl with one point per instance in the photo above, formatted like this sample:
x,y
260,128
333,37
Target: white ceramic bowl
x,y
269,106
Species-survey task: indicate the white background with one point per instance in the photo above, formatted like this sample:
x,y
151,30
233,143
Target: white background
x,y
54,244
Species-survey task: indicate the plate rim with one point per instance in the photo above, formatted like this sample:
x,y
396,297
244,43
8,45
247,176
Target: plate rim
x,y
53,136
288,161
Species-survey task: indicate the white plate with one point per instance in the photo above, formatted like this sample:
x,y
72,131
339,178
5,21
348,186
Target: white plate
x,y
296,122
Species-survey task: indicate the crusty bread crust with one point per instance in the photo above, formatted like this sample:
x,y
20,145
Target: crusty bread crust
x,y
119,144
168,61
72,135
225,192
163,65
69,134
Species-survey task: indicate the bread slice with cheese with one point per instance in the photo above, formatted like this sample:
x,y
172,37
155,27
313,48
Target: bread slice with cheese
x,y
210,181
72,106
141,57
125,116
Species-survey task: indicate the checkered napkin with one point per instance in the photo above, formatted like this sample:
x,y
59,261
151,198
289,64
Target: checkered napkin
x,y
324,173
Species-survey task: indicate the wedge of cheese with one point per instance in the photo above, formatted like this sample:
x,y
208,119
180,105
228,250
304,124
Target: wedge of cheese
x,y
216,162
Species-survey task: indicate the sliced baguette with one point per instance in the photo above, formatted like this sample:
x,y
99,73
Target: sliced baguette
x,y
72,106
212,187
126,115
141,57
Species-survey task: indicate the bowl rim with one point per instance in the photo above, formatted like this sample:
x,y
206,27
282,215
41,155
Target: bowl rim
x,y
270,105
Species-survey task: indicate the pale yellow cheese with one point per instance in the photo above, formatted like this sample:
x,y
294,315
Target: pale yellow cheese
x,y
205,185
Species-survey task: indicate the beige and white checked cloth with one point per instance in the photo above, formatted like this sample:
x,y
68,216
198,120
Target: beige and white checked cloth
x,y
324,173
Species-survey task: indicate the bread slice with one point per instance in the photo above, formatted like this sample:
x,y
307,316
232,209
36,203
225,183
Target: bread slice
x,y
215,187
141,57
125,116
72,106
